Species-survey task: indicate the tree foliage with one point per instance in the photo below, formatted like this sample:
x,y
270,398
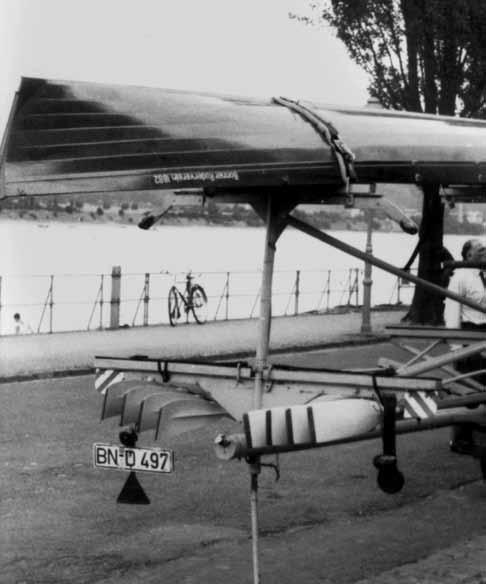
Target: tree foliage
x,y
421,55
425,56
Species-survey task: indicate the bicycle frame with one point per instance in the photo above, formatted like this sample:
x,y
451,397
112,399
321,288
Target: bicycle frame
x,y
187,300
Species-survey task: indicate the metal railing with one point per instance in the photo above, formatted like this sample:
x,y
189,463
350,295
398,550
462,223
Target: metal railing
x,y
54,303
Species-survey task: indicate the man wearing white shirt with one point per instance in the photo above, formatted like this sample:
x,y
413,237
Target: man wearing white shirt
x,y
471,284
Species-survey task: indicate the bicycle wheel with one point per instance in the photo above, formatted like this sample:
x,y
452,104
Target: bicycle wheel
x,y
199,304
174,306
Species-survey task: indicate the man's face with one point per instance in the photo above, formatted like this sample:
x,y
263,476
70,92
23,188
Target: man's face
x,y
477,252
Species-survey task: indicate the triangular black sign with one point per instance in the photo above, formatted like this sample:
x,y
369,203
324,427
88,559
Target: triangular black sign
x,y
132,492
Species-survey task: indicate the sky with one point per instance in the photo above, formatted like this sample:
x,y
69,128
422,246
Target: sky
x,y
241,47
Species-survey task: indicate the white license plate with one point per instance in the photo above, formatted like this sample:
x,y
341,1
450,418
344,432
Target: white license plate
x,y
139,459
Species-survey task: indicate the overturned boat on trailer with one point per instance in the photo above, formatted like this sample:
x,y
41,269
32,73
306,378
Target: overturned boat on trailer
x,y
67,137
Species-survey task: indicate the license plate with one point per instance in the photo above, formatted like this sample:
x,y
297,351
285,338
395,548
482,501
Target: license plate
x,y
139,459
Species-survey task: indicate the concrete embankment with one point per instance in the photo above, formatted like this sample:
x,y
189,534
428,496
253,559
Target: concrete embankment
x,y
60,353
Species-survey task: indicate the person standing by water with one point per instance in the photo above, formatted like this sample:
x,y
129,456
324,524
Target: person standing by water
x,y
471,284
21,327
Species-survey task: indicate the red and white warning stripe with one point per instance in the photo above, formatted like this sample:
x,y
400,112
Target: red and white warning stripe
x,y
419,404
106,377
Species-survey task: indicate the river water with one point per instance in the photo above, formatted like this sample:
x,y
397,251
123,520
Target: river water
x,y
77,254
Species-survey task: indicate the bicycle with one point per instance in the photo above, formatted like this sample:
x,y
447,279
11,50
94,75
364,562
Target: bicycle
x,y
193,299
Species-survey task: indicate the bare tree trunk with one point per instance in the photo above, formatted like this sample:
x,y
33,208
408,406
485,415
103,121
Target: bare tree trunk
x,y
429,60
427,307
409,10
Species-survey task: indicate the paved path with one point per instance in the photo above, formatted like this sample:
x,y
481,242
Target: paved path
x,y
463,563
37,355
24,356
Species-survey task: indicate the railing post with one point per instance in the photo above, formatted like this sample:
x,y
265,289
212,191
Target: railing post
x,y
115,297
350,285
255,302
297,292
51,303
1,305
227,295
146,300
367,280
328,295
101,300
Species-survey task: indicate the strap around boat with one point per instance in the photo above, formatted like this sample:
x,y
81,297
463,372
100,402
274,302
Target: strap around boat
x,y
327,131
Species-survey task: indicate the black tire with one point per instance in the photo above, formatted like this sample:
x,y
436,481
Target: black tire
x,y
174,306
199,304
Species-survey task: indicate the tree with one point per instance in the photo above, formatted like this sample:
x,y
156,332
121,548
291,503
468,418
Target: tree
x,y
423,56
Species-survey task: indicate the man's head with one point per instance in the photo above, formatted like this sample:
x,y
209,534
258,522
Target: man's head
x,y
474,250
17,317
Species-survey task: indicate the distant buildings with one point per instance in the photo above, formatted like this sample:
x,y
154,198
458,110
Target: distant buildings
x,y
468,214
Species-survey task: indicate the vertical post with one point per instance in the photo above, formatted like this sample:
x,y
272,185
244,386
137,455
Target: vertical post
x,y
297,292
367,280
350,285
146,300
254,466
115,297
265,307
262,350
227,295
1,305
399,288
51,303
328,294
102,280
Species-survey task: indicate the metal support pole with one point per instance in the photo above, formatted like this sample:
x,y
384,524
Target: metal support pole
x,y
262,350
51,304
48,302
1,305
367,280
254,466
349,249
255,303
115,297
146,300
227,295
265,306
297,292
102,280
328,295
348,287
